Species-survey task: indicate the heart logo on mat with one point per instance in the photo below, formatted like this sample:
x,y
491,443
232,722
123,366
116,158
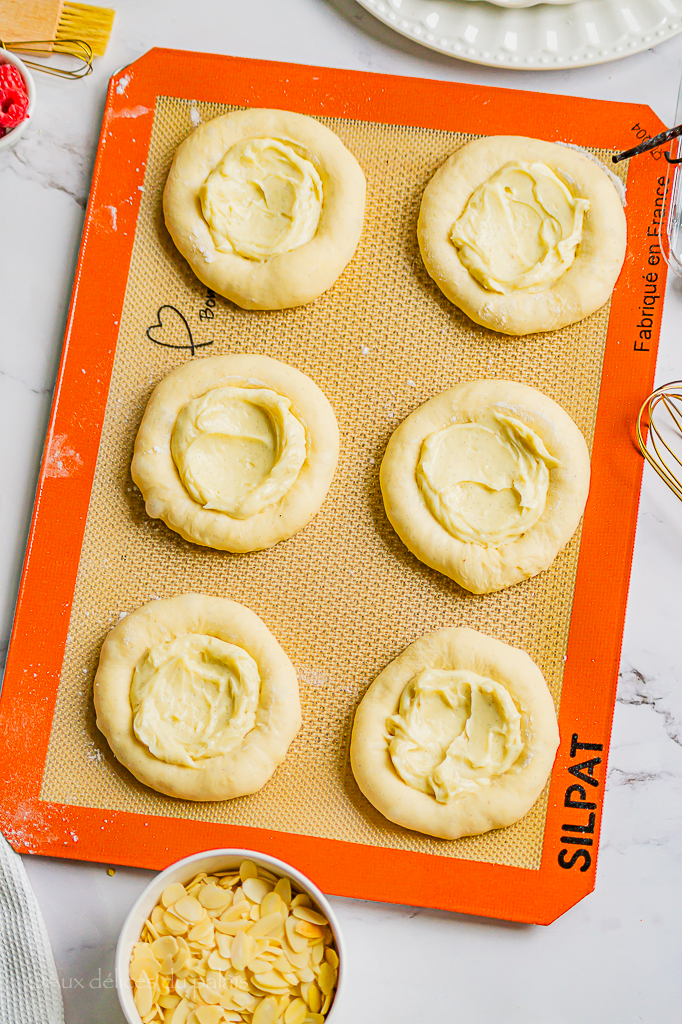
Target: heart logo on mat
x,y
171,330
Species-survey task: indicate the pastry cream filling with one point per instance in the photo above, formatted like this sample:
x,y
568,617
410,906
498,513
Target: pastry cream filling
x,y
520,229
263,199
193,698
238,450
485,483
455,732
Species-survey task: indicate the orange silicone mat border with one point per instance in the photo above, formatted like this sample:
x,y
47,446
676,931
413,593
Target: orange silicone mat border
x,y
51,565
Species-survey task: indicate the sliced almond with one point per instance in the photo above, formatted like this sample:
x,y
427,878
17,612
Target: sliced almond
x,y
144,999
143,957
247,869
170,1001
181,1012
212,897
180,959
185,988
234,927
189,909
283,889
209,1015
273,904
202,933
296,1012
266,1012
227,1000
267,875
174,924
332,957
172,893
317,953
167,965
224,944
243,950
218,963
265,925
306,914
297,960
238,908
207,993
296,940
243,999
216,979
305,974
312,996
256,889
272,981
167,946
326,978
152,930
301,900
259,966
311,931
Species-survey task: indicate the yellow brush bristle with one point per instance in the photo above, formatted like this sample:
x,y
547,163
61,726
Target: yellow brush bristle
x,y
82,21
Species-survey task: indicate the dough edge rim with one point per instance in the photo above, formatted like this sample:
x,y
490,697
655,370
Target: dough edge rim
x,y
246,768
478,813
518,560
294,278
519,314
155,474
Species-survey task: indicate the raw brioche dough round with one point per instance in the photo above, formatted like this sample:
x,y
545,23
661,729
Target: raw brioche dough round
x,y
507,796
484,567
587,283
326,223
155,471
247,765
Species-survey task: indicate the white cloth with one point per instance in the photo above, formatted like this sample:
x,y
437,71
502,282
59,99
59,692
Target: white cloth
x,y
29,986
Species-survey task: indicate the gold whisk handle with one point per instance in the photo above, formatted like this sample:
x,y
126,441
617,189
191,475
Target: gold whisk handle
x,y
76,48
655,449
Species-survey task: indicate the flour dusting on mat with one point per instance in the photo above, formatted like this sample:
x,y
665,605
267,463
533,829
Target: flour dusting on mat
x,y
61,459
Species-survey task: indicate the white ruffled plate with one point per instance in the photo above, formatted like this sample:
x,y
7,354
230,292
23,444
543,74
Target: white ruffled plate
x,y
512,33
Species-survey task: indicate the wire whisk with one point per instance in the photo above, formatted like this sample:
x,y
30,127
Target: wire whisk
x,y
655,449
81,51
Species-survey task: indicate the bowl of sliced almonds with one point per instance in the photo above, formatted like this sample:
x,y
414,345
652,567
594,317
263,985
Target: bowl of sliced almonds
x,y
230,937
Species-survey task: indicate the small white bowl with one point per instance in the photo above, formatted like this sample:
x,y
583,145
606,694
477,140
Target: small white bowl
x,y
183,871
13,136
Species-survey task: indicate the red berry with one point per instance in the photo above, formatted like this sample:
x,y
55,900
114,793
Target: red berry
x,y
13,97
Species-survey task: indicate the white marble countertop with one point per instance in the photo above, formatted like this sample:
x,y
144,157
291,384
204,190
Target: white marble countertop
x,y
616,955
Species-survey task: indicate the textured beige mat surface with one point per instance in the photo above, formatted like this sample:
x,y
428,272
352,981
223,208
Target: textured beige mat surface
x,y
344,596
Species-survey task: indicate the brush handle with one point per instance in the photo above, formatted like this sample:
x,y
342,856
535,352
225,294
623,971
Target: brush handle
x,y
38,19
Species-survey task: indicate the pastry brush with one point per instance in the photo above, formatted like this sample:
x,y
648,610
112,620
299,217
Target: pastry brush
x,y
54,25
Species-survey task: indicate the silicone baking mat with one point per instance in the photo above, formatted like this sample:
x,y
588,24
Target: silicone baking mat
x,y
344,596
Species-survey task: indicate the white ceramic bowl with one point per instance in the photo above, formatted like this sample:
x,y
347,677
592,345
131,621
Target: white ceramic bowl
x,y
12,137
183,871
